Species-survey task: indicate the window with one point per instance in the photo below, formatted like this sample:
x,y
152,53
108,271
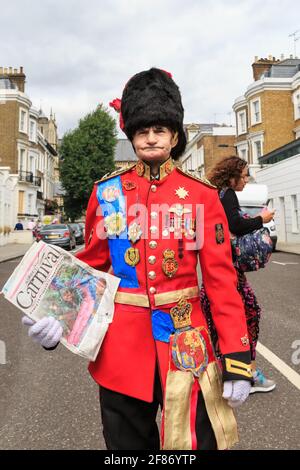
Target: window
x,y
295,214
30,196
255,111
243,154
257,150
23,121
241,122
22,163
31,163
297,104
32,130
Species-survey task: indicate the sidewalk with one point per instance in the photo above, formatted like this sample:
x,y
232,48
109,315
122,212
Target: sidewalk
x,y
288,247
12,251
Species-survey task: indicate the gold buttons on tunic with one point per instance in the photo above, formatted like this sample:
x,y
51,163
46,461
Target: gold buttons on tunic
x,y
152,290
153,229
153,215
153,244
152,275
153,188
152,259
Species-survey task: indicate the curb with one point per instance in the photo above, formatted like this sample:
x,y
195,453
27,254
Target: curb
x,y
11,258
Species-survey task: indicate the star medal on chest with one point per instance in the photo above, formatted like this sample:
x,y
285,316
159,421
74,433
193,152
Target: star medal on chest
x,y
115,223
169,264
132,256
111,193
134,232
181,192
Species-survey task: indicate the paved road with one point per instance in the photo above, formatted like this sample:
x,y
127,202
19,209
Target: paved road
x,y
48,401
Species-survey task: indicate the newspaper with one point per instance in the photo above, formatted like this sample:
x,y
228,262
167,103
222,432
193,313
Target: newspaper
x,y
49,281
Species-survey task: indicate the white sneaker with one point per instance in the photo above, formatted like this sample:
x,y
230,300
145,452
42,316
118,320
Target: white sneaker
x,y
261,383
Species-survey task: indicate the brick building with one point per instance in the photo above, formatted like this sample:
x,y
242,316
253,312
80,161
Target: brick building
x,y
207,143
24,149
268,114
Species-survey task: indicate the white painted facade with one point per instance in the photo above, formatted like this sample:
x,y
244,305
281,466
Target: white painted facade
x,y
8,203
283,181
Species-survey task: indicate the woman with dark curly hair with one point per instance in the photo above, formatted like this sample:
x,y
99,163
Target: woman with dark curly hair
x,y
230,175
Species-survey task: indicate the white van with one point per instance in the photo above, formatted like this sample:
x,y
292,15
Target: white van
x,y
253,199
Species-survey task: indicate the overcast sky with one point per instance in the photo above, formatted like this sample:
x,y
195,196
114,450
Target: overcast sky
x,y
78,53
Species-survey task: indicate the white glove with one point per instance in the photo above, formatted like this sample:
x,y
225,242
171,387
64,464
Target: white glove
x,y
236,392
47,331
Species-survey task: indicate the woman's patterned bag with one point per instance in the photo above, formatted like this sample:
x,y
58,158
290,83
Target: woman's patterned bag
x,y
251,251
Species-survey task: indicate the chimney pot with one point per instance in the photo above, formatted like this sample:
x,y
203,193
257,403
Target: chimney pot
x,y
291,56
21,69
10,70
256,58
269,57
15,71
5,70
1,70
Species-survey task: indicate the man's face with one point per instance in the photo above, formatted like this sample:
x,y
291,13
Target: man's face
x,y
154,144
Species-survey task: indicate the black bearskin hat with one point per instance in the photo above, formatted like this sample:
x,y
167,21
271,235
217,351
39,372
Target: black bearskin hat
x,y
152,97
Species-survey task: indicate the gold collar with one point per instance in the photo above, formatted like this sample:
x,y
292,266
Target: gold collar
x,y
143,169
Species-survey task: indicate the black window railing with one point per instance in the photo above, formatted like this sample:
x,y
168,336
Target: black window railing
x,y
26,176
37,181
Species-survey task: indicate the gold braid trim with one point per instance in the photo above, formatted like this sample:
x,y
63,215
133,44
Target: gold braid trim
x,y
116,173
197,178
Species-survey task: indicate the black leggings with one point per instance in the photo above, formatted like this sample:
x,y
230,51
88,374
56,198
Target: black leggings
x,y
130,423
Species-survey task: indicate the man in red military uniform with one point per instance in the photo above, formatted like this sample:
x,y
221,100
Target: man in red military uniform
x,y
149,225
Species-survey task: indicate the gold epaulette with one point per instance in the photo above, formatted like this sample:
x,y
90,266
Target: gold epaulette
x,y
197,178
116,173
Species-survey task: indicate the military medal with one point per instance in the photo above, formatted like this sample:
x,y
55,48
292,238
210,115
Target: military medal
x,y
180,210
169,264
192,227
165,231
132,256
134,232
128,185
115,223
181,192
172,223
180,248
110,193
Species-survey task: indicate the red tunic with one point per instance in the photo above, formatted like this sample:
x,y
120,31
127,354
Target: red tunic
x,y
127,359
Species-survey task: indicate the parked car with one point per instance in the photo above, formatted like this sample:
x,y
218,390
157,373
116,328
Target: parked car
x,y
57,234
82,225
253,199
78,233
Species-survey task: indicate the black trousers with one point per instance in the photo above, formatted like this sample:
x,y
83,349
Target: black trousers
x,y
130,424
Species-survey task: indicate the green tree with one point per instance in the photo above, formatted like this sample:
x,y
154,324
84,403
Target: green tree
x,y
87,154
